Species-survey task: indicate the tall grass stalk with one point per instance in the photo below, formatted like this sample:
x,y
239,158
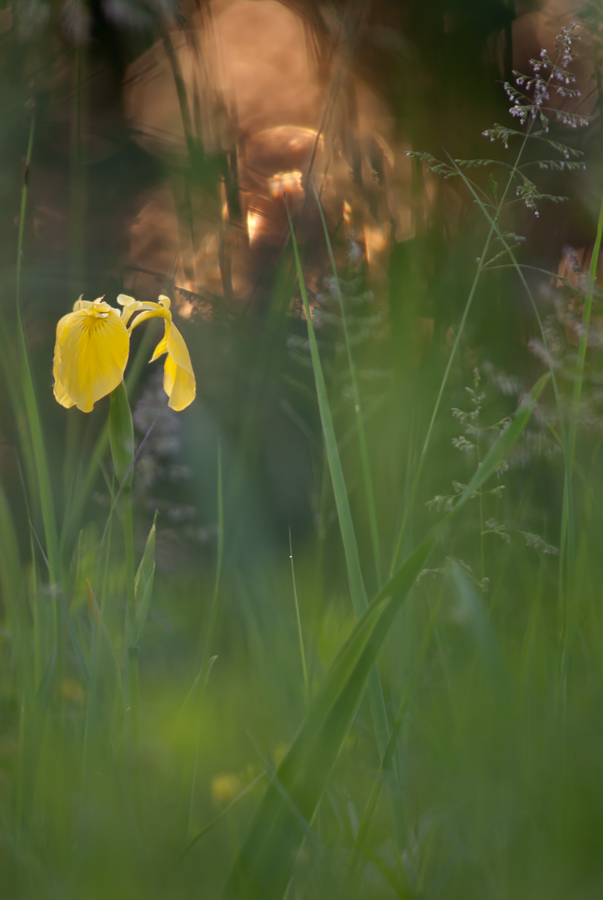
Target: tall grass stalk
x,y
44,484
300,633
354,865
207,661
494,229
583,341
264,865
410,499
364,453
568,435
350,546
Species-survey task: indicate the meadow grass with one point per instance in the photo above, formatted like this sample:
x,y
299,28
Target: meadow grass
x,y
401,699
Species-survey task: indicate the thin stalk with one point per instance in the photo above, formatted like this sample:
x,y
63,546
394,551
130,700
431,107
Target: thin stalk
x,y
436,409
37,616
364,454
35,427
134,688
213,610
77,188
298,619
129,549
350,545
568,521
353,873
346,525
480,267
481,520
566,542
583,342
206,663
221,815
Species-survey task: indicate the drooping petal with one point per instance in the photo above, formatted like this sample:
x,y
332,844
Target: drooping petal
x,y
160,349
179,378
179,385
92,347
177,349
148,311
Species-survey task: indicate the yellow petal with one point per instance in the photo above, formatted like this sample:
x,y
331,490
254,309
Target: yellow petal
x,y
160,349
130,306
177,348
179,385
91,354
179,378
60,394
155,311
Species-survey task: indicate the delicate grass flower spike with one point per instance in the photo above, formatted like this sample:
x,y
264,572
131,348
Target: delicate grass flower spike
x,y
179,378
90,354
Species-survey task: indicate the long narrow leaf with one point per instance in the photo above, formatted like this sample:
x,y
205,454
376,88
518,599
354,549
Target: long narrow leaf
x,y
344,514
264,865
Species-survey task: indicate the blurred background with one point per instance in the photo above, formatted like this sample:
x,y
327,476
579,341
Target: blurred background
x,y
167,141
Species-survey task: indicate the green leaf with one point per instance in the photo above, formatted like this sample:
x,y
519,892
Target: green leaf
x,y
142,609
35,718
143,586
264,865
146,569
121,436
344,514
10,564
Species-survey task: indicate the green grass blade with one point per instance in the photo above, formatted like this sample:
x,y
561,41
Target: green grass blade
x,y
298,620
44,484
10,567
34,732
195,697
143,587
364,455
348,536
201,834
386,762
263,867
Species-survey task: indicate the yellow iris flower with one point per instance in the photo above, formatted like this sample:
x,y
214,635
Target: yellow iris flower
x,y
92,348
178,376
90,354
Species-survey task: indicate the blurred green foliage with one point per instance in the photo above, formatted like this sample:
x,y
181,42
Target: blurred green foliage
x,y
196,754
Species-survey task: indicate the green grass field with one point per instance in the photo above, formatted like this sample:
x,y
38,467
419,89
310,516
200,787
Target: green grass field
x,y
335,630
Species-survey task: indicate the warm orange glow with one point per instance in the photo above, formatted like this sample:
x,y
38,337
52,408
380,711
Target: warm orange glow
x,y
185,309
286,183
261,90
254,225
